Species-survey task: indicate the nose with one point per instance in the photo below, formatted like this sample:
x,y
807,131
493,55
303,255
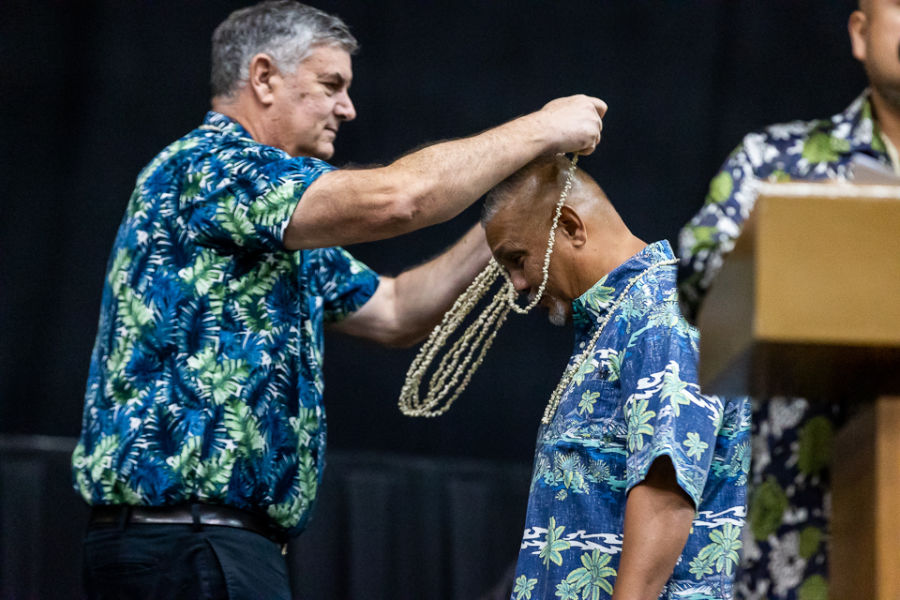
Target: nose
x,y
518,280
344,108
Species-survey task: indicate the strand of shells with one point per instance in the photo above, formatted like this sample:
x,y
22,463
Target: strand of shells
x,y
457,366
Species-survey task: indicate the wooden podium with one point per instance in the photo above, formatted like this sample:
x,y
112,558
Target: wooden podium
x,y
808,304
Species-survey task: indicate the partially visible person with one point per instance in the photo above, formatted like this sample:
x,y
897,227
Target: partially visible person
x,y
638,488
203,438
786,549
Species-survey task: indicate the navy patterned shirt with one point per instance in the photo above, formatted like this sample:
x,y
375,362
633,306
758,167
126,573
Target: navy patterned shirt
x,y
785,551
205,381
634,400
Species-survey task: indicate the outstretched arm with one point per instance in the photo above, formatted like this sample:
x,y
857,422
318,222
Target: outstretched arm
x,y
405,308
658,517
436,183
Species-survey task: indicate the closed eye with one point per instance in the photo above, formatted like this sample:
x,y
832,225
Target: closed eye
x,y
514,259
334,83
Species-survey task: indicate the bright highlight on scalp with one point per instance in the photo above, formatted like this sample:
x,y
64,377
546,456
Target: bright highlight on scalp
x,y
456,367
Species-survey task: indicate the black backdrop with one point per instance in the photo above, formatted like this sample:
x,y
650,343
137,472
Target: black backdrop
x,y
92,90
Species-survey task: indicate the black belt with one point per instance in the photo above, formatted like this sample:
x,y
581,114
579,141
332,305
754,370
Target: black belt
x,y
197,515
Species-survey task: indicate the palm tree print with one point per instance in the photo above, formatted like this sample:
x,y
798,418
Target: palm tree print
x,y
566,590
720,554
673,388
591,577
523,587
553,546
571,470
695,445
587,367
638,417
586,405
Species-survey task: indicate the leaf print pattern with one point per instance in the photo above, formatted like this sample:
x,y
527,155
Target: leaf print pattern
x,y
206,374
565,590
591,578
673,389
720,555
523,587
637,400
638,416
586,368
553,545
800,150
696,447
588,399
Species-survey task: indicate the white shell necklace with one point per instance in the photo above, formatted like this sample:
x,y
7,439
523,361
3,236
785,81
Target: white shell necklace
x,y
457,366
572,369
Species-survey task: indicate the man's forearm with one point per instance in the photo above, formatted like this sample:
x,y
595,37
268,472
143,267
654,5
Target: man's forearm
x,y
447,177
424,293
658,517
405,308
436,183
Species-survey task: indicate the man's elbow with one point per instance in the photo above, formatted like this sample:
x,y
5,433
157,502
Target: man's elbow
x,y
406,199
397,334
400,205
402,213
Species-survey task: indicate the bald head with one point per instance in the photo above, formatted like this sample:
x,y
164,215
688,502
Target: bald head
x,y
533,193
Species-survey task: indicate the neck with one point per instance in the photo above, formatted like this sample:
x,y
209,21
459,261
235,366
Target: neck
x,y
603,258
888,117
236,108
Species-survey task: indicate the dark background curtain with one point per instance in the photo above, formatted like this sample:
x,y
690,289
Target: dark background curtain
x,y
92,90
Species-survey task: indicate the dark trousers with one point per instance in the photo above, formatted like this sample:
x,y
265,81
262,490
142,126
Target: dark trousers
x,y
151,561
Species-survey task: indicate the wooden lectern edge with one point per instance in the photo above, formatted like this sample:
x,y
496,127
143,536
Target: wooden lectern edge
x,y
829,189
726,342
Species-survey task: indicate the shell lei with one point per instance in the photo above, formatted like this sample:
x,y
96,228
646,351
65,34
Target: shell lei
x,y
458,365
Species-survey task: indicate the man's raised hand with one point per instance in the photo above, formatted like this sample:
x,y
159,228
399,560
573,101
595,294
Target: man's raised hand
x,y
573,123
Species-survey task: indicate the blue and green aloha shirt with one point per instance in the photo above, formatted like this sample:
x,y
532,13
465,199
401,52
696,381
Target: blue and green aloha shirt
x,y
634,400
205,381
785,554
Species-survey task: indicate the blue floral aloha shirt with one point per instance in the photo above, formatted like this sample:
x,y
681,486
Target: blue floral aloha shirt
x,y
785,554
636,399
205,381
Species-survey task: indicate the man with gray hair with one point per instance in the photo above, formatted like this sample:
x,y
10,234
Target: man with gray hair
x,y
203,433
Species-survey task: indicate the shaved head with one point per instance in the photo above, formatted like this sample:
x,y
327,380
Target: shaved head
x,y
533,191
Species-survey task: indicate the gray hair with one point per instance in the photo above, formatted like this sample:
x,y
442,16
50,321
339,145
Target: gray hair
x,y
283,29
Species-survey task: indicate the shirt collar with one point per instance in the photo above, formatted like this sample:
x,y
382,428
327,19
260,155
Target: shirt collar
x,y
595,302
225,125
858,126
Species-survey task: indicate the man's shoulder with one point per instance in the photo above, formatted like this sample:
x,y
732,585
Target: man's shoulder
x,y
782,136
787,137
658,282
659,320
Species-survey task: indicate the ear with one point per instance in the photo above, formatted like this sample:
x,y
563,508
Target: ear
x,y
572,227
858,27
263,77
